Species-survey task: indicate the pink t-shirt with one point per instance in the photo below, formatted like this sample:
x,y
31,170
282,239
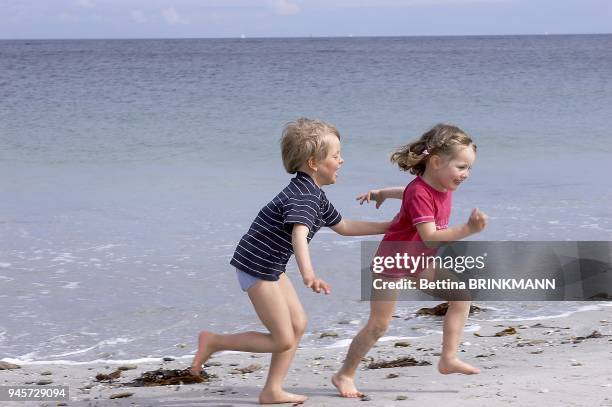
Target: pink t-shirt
x,y
421,203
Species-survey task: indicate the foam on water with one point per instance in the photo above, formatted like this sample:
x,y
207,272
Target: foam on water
x,y
344,343
26,362
468,328
107,342
584,308
105,247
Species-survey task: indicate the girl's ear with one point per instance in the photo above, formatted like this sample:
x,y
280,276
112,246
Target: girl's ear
x,y
312,163
436,161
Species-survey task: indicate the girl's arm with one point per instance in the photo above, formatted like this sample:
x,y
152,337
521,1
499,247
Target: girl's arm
x,y
476,223
347,227
302,257
379,195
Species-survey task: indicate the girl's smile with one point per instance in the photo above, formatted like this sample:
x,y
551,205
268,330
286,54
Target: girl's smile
x,y
448,173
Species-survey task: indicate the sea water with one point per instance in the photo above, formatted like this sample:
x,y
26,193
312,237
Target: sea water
x,y
129,169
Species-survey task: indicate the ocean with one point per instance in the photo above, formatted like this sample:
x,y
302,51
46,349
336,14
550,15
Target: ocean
x,y
129,169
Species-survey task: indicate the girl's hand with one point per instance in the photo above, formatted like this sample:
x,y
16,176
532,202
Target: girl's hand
x,y
316,284
478,220
375,194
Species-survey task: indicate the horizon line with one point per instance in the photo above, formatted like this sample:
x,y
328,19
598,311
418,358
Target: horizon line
x,y
244,37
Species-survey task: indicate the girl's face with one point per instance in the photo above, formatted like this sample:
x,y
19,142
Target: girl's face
x,y
450,172
327,169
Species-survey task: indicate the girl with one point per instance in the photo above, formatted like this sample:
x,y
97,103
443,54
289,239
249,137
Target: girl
x,y
441,159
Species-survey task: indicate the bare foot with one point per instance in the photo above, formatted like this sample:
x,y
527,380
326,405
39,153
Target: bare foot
x,y
345,386
454,365
202,354
280,396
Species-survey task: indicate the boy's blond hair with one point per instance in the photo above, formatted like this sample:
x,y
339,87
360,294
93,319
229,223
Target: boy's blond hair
x,y
305,138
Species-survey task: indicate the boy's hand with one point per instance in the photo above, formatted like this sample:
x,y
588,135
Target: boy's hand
x,y
375,194
316,284
478,220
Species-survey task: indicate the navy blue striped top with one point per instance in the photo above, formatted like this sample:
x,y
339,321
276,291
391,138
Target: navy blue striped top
x,y
265,249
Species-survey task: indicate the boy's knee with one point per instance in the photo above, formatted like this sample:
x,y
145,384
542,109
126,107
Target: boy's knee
x,y
299,326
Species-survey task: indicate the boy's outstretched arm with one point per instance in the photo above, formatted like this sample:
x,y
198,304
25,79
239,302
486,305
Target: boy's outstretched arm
x,y
379,195
347,227
302,257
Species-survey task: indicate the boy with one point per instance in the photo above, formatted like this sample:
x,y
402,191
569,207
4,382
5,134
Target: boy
x,y
311,150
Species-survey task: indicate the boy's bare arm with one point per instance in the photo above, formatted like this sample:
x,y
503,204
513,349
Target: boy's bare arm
x,y
302,257
379,195
347,227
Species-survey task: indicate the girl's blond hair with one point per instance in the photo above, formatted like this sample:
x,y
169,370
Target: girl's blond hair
x,y
305,138
442,139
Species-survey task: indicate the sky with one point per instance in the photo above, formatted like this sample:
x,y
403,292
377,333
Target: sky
x,y
30,19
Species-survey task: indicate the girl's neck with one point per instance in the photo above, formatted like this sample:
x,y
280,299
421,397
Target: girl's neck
x,y
430,180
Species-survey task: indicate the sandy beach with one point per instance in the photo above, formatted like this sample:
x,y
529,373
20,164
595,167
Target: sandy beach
x,y
556,362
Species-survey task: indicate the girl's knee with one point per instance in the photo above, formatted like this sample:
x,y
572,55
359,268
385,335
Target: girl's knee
x,y
283,341
377,327
459,305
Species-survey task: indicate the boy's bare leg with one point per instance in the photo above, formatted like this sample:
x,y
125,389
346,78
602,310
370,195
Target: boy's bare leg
x,y
272,309
279,366
454,323
205,350
381,312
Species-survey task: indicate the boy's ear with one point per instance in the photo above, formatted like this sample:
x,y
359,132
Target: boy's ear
x,y
312,163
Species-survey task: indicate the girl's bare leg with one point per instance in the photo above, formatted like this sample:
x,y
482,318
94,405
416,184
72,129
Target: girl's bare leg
x,y
381,312
454,324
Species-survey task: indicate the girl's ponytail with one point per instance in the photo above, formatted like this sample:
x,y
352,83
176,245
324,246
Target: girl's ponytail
x,y
411,157
440,140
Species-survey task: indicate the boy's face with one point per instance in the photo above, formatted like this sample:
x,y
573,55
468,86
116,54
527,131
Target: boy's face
x,y
327,169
